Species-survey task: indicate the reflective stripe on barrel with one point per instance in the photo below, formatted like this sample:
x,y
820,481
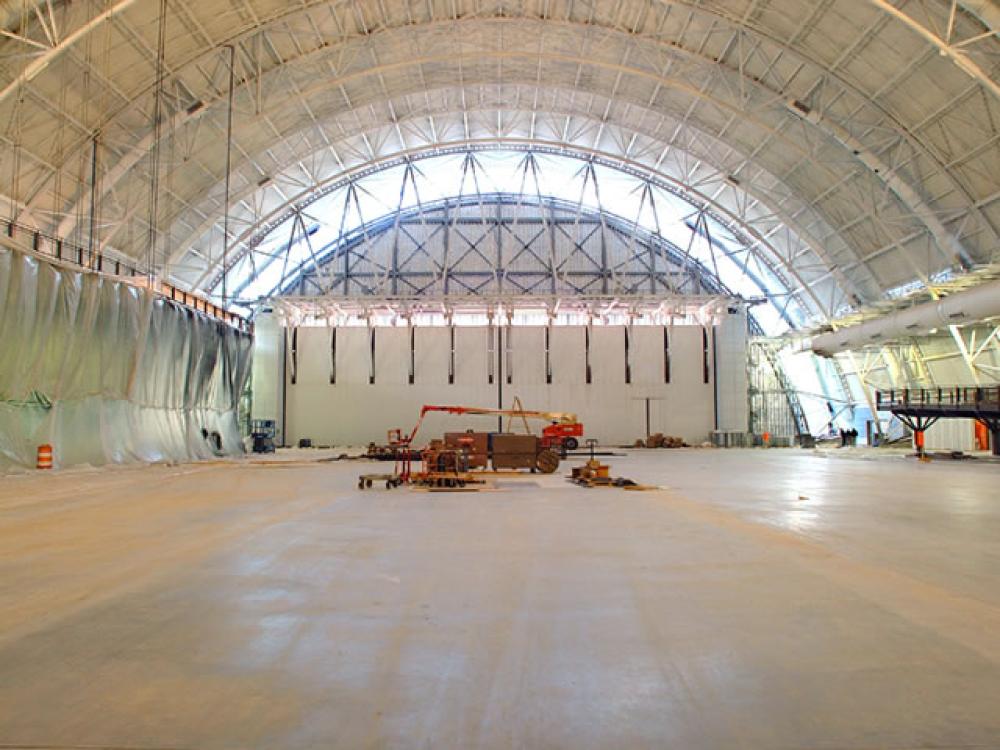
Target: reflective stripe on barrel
x,y
44,456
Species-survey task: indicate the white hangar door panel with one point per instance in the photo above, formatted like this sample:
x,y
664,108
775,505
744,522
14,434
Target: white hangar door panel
x,y
689,408
308,382
527,376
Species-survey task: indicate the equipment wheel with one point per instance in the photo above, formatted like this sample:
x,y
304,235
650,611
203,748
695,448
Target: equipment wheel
x,y
368,483
571,443
547,461
361,484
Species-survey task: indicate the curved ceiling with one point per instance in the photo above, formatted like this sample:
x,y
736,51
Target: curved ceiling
x,y
359,204
853,142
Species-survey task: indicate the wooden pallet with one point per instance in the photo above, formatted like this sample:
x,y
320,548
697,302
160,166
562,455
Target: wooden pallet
x,y
481,487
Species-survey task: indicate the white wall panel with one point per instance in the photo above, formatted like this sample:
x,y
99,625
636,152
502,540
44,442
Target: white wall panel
x,y
529,355
689,408
352,356
433,347
314,356
352,412
392,356
647,355
607,355
731,365
312,382
470,356
316,409
951,435
567,346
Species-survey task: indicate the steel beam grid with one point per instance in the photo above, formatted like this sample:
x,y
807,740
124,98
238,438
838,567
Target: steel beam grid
x,y
738,34
745,255
365,269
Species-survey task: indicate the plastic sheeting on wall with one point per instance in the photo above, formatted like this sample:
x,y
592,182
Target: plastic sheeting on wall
x,y
107,372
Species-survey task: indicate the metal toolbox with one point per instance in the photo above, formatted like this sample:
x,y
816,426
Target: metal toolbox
x,y
513,451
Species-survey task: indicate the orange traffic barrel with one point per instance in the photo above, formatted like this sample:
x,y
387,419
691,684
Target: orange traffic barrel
x,y
44,457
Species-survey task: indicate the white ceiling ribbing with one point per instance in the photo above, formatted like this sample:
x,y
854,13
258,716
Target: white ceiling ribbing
x,y
857,140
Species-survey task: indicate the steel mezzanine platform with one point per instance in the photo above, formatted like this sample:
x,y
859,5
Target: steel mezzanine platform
x,y
920,408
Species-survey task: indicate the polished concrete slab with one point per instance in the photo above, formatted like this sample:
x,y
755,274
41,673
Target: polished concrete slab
x,y
764,599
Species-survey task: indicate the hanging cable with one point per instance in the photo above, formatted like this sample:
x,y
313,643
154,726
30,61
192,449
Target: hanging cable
x,y
154,154
229,168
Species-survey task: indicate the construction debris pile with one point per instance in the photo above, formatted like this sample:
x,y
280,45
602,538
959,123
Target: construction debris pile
x,y
659,440
593,473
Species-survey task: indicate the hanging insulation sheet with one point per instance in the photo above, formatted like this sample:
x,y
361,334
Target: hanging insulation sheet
x,y
107,372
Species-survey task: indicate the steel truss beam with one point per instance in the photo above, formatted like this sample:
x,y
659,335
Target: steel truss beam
x,y
410,250
750,40
751,247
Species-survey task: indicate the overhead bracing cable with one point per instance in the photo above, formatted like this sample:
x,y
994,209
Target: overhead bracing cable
x,y
92,244
229,170
154,154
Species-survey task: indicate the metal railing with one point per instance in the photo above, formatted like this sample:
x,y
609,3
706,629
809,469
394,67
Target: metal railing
x,y
63,251
961,397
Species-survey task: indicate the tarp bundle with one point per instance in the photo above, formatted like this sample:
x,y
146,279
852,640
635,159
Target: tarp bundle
x,y
107,372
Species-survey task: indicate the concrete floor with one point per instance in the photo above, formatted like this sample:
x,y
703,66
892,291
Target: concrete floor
x,y
768,599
